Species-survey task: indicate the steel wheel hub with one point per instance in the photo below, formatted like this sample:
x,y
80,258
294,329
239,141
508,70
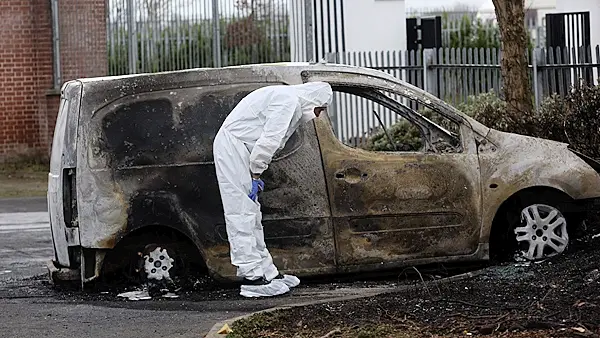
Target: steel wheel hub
x,y
157,264
543,232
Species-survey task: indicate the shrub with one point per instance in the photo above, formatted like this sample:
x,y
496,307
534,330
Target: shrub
x,y
406,137
581,109
550,120
572,119
490,110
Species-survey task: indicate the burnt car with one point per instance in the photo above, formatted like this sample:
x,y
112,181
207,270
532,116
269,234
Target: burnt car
x,y
132,176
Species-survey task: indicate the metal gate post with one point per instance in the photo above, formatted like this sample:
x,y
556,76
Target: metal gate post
x,y
428,76
536,82
56,45
308,26
216,34
132,51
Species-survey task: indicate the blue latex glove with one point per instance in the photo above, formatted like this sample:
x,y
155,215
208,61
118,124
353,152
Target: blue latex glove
x,y
257,185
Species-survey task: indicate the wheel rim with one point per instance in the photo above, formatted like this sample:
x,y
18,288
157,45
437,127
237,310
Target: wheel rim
x,y
543,232
157,264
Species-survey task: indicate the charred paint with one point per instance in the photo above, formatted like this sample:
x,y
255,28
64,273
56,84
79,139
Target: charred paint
x,y
511,163
405,206
158,149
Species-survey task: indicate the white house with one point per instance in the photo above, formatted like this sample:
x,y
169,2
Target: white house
x,y
537,10
539,7
346,25
592,6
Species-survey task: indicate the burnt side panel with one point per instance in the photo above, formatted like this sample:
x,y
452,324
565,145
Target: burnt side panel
x,y
158,147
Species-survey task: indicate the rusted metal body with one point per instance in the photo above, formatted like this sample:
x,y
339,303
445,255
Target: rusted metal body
x,y
143,157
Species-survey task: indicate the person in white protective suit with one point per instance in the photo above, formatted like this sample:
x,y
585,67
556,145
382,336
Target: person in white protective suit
x,y
254,131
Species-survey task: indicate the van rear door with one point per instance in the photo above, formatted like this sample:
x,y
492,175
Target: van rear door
x,y
62,205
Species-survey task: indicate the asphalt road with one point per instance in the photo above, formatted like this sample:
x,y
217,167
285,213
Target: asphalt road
x,y
25,240
31,307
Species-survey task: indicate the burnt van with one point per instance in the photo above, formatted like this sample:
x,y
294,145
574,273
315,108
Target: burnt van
x,y
132,176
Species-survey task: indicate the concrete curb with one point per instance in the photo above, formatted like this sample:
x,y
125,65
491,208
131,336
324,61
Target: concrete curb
x,y
213,331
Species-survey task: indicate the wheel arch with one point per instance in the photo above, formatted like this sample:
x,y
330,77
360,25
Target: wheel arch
x,y
150,209
501,224
122,257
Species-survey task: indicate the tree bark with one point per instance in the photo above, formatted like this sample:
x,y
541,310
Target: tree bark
x,y
515,73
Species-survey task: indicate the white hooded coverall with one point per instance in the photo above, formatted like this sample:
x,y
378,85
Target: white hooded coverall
x,y
257,127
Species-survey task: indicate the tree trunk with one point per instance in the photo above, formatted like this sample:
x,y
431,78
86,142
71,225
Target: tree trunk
x,y
515,73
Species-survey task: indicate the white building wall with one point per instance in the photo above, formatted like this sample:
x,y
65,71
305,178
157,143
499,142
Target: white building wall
x,y
375,25
347,25
593,6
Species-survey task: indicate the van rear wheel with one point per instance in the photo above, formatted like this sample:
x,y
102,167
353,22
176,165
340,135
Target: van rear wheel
x,y
156,255
156,266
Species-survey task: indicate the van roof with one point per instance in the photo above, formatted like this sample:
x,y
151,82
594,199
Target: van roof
x,y
100,91
191,70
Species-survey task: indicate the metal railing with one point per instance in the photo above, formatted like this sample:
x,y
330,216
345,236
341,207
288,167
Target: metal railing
x,y
163,35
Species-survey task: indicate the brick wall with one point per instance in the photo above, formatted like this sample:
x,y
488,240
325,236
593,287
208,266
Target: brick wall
x,y
22,24
83,38
28,99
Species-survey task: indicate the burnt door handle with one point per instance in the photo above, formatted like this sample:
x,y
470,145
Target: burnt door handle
x,y
351,175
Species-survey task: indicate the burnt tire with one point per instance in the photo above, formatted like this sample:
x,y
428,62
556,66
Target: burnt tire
x,y
125,263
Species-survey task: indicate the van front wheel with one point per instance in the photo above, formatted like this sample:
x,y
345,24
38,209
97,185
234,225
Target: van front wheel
x,y
542,232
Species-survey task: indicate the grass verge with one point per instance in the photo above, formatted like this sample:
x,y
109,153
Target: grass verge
x,y
23,180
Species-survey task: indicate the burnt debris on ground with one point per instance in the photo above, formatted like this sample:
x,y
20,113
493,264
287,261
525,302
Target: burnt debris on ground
x,y
198,286
558,297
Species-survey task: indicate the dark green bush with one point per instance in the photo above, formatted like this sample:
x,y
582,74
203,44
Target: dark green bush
x,y
581,123
550,121
405,136
492,111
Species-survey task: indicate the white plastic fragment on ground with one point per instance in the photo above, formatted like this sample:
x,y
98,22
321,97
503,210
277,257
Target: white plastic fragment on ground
x,y
135,295
170,295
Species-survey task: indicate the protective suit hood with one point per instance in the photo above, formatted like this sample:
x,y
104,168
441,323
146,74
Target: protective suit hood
x,y
312,95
